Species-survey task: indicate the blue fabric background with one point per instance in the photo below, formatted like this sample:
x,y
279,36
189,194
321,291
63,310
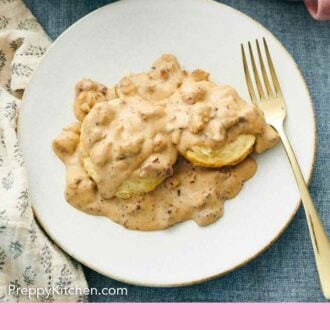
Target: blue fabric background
x,y
286,271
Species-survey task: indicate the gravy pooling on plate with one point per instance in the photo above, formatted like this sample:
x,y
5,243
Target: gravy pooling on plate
x,y
129,138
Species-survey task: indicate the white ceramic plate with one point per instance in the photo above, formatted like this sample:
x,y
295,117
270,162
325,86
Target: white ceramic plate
x,y
126,37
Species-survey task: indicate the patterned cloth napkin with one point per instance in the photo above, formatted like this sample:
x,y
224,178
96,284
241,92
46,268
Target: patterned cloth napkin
x,y
28,259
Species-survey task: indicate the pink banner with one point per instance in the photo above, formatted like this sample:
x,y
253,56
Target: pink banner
x,y
167,316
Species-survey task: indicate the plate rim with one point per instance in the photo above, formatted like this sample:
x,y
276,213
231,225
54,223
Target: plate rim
x,y
81,260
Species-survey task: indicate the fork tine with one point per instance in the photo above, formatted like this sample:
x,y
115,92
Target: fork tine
x,y
276,83
264,73
248,77
256,74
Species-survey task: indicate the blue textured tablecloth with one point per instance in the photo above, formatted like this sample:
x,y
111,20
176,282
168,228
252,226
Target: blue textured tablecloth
x,y
286,271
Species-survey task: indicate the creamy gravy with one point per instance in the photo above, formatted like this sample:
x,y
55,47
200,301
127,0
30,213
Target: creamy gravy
x,y
138,129
190,193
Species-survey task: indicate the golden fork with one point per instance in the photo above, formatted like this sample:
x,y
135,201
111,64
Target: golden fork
x,y
271,101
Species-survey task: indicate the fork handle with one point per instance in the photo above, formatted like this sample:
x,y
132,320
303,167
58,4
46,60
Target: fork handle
x,y
320,240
